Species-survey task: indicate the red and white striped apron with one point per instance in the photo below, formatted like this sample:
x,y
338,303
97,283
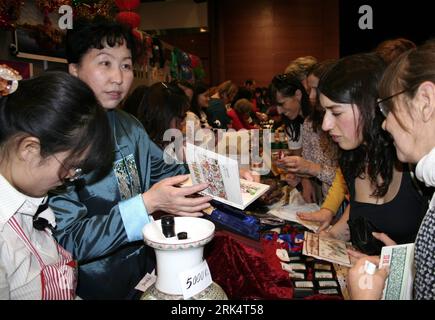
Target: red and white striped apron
x,y
58,280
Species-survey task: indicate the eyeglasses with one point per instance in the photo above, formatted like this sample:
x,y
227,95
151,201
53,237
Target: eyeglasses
x,y
78,172
384,107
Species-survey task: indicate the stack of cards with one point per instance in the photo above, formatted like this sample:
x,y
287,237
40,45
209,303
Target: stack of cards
x,y
327,249
309,276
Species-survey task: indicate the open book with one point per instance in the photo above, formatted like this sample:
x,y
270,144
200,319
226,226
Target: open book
x,y
327,249
222,175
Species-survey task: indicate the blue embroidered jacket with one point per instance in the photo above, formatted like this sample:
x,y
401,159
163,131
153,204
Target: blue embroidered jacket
x,y
101,223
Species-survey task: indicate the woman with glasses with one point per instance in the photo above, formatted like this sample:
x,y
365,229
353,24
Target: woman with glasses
x,y
408,91
52,130
383,197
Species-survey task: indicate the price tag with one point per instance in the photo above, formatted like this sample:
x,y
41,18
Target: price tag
x,y
194,280
146,282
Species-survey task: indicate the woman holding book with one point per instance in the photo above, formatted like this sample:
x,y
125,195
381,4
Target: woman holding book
x,y
383,197
407,92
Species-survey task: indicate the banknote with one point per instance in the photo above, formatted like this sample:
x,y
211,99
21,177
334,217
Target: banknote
x,y
327,249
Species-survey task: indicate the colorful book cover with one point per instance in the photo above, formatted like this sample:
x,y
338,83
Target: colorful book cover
x,y
222,175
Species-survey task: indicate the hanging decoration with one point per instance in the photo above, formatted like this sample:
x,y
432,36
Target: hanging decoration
x,y
129,18
186,73
49,6
158,58
10,11
126,15
173,67
153,53
194,61
199,72
91,9
47,35
127,5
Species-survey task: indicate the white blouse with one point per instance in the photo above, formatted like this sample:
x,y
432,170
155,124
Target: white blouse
x,y
19,269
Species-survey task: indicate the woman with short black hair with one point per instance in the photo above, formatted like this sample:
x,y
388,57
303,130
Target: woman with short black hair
x,y
52,130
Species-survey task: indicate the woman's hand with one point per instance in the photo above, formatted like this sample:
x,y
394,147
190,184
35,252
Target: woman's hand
x,y
355,255
339,230
167,196
362,284
291,179
249,175
384,238
324,216
261,116
308,192
298,165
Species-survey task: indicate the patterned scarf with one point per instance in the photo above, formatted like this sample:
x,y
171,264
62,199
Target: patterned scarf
x,y
424,284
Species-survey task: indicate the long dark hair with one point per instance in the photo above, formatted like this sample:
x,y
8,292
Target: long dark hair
x,y
354,80
63,113
317,112
198,88
287,85
161,104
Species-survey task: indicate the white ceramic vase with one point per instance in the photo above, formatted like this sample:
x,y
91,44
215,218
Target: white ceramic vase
x,y
175,256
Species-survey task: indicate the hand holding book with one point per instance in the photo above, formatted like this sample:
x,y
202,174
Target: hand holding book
x,y
166,196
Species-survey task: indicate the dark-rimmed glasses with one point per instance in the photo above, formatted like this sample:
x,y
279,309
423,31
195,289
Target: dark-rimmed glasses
x,y
384,107
78,172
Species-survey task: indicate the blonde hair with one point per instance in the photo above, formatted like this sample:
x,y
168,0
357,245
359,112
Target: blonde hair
x,y
228,89
301,67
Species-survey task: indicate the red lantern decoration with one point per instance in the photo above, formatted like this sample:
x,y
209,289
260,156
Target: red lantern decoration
x,y
127,5
194,61
130,18
9,12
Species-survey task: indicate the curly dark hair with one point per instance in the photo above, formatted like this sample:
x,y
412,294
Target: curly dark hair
x,y
354,80
97,33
